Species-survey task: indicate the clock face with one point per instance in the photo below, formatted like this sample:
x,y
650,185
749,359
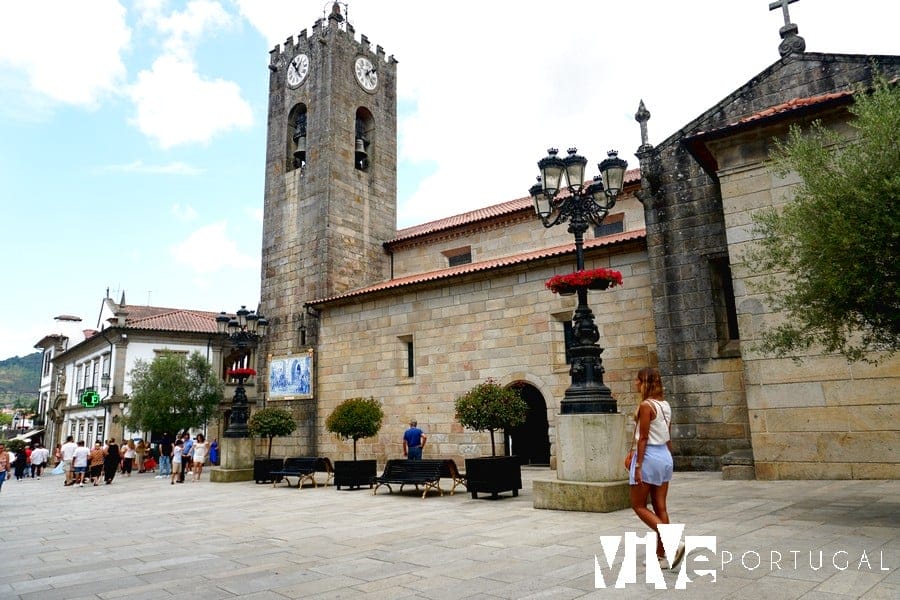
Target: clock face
x,y
297,70
366,74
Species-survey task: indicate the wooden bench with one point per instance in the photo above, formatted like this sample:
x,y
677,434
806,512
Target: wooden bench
x,y
411,472
450,471
304,468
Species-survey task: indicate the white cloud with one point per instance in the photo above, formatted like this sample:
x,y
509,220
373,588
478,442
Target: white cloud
x,y
499,82
69,51
209,249
184,213
184,29
175,105
138,166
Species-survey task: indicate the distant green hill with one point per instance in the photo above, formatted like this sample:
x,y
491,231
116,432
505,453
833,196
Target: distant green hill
x,y
20,376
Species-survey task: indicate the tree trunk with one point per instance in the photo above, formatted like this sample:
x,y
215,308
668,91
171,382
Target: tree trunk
x,y
354,448
493,449
270,448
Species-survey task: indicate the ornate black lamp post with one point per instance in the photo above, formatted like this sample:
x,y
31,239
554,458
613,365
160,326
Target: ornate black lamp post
x,y
242,332
560,196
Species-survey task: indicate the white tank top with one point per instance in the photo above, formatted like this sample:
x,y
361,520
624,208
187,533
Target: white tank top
x,y
659,425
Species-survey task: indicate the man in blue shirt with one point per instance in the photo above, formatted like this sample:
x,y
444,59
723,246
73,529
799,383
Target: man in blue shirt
x,y
413,442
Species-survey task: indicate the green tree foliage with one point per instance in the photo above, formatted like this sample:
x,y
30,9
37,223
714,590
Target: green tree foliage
x,y
6,419
355,418
838,240
20,377
271,422
15,445
489,406
173,393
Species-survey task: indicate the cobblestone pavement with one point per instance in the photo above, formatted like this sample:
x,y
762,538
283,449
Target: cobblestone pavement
x,y
144,538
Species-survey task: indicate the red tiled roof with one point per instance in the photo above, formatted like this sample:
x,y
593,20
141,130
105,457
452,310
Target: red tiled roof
x,y
777,110
487,265
482,214
793,105
170,319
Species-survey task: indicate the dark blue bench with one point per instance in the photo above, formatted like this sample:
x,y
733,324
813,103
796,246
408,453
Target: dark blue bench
x,y
411,472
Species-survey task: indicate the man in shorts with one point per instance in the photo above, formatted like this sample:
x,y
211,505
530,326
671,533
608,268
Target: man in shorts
x,y
80,462
68,453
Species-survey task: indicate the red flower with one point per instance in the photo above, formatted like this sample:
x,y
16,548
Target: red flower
x,y
240,372
579,279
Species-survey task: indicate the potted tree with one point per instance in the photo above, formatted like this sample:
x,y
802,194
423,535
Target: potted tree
x,y
354,419
489,407
270,422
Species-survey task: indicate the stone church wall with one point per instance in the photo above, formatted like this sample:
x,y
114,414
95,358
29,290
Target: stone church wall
x,y
708,382
823,418
502,324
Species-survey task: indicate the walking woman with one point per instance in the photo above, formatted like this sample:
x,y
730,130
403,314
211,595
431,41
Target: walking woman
x,y
129,452
95,463
111,460
651,463
200,450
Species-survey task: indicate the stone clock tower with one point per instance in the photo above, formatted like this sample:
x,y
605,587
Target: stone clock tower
x,y
331,184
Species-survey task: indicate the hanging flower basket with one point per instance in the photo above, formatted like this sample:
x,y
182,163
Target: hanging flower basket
x,y
241,372
592,279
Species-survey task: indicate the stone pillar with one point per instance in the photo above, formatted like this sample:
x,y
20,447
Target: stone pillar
x,y
236,461
589,469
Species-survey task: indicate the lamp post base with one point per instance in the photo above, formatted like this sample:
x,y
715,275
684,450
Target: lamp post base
x,y
237,461
589,473
582,407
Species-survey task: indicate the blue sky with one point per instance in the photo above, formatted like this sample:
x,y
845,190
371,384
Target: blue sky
x,y
132,134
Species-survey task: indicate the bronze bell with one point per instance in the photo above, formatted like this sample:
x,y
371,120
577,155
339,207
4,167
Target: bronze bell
x,y
300,150
362,156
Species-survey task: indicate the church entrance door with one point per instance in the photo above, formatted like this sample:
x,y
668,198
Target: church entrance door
x,y
530,441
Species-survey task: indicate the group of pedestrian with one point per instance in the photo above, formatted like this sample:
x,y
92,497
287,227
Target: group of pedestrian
x,y
185,455
176,459
29,461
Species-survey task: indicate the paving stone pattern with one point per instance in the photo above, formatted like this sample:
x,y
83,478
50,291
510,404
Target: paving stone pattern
x,y
142,538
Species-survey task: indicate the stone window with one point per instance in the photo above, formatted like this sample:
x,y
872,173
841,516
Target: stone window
x,y
611,224
569,336
458,256
408,352
724,305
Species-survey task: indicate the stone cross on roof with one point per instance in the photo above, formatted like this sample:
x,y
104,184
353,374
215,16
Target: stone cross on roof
x,y
790,41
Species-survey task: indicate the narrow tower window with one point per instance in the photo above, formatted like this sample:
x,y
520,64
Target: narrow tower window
x,y
362,139
297,138
724,303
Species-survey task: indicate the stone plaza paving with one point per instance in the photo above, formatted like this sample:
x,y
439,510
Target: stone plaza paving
x,y
142,538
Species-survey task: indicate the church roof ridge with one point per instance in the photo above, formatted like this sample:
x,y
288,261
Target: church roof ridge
x,y
705,120
480,214
524,257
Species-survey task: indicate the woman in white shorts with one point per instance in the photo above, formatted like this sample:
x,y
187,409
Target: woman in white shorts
x,y
651,465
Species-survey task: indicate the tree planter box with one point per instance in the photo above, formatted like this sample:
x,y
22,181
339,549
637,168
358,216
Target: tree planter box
x,y
354,474
263,467
493,474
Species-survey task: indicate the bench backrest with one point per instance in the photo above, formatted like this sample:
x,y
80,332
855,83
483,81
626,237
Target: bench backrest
x,y
429,469
449,470
308,463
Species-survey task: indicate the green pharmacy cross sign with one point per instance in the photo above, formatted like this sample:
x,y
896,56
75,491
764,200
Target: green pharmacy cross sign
x,y
90,398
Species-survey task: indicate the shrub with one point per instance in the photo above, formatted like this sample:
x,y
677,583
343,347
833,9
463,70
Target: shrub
x,y
490,406
355,418
271,422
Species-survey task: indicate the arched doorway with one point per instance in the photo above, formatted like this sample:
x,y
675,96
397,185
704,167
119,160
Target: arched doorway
x,y
530,441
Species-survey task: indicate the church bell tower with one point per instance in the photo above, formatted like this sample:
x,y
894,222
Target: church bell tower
x,y
331,184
